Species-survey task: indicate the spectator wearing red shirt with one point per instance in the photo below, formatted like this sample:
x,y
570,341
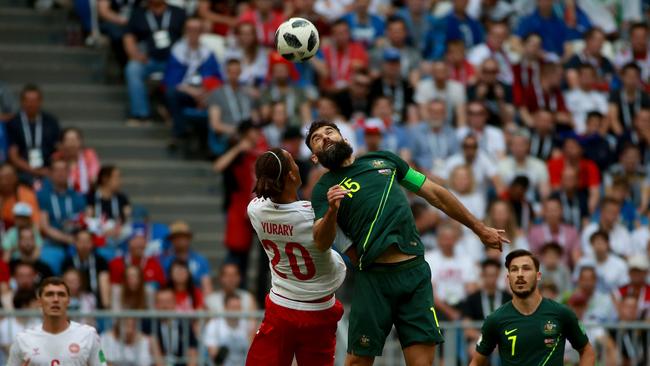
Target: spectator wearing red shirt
x,y
342,57
83,161
588,173
527,71
266,20
638,287
5,290
460,69
152,270
188,296
546,94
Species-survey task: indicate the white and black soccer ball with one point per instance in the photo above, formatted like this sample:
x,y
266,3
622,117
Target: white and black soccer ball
x,y
297,40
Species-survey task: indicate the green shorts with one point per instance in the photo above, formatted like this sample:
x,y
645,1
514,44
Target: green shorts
x,y
392,294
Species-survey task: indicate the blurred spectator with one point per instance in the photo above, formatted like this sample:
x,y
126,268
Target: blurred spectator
x,y
83,161
519,163
80,300
124,344
342,57
150,34
459,25
29,252
180,235
365,26
218,15
419,22
585,98
522,208
602,147
113,20
624,104
552,229
11,193
462,185
441,87
282,87
491,10
175,338
229,285
551,28
60,206
546,94
609,222
265,18
253,57
228,339
108,209
526,73
354,101
500,215
11,326
600,307
188,297
631,168
150,266
491,140
392,84
494,94
638,50
454,275
11,238
191,72
23,277
555,269
483,168
383,131
574,200
620,191
460,69
279,121
612,271
631,341
639,135
591,55
433,140
8,105
131,293
493,48
33,135
307,9
543,139
397,39
638,287
93,268
587,172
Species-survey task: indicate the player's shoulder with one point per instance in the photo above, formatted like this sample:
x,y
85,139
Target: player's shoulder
x,y
554,306
501,312
83,329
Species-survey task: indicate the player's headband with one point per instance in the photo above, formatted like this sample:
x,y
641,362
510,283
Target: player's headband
x,y
279,163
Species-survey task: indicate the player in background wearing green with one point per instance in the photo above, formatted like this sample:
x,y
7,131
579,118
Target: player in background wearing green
x,y
530,330
393,282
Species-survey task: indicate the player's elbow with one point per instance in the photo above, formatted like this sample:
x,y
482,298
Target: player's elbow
x,y
588,354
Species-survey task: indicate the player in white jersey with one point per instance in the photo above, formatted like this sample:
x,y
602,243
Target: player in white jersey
x,y
301,310
57,341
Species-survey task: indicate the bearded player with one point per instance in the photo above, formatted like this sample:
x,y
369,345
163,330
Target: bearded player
x,y
58,341
301,310
392,285
530,330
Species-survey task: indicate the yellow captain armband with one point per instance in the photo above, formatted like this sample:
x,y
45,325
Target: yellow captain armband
x,y
413,180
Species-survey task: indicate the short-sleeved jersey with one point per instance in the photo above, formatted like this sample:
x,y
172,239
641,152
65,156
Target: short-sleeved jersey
x,y
376,212
299,270
535,340
79,345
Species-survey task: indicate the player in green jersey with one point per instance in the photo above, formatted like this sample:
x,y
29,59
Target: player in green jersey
x,y
530,330
393,283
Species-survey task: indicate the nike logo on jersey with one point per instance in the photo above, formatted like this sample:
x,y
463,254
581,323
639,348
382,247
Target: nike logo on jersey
x,y
277,229
507,332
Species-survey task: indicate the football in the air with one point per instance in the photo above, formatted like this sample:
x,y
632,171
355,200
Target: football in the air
x,y
297,40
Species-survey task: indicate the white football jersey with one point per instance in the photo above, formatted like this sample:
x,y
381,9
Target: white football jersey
x,y
299,270
76,346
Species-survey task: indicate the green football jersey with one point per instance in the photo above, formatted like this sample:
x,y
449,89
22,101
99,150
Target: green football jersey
x,y
537,339
376,212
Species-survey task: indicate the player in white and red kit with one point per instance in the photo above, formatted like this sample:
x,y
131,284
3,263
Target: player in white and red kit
x,y
58,341
301,310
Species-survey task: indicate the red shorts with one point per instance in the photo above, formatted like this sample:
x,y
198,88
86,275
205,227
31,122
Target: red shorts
x,y
284,332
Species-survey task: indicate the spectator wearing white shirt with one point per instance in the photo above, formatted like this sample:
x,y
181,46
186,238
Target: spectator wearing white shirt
x,y
638,50
454,274
612,271
11,326
490,139
600,306
520,162
484,169
609,222
586,98
228,339
126,345
461,184
493,47
440,86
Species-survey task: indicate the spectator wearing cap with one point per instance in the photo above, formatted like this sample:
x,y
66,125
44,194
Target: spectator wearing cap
x,y
520,162
433,140
342,57
11,193
92,266
397,38
496,95
22,220
638,286
383,131
637,51
625,103
282,87
543,21
591,55
253,57
490,138
494,47
547,94
440,86
391,84
555,270
113,20
585,98
32,134
83,161
180,235
588,173
150,34
152,271
365,26
552,229
265,18
28,252
192,72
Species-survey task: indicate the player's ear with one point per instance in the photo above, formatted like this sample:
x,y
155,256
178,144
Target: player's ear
x,y
314,159
539,276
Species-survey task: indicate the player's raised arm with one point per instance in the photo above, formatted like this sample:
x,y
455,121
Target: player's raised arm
x,y
441,198
325,228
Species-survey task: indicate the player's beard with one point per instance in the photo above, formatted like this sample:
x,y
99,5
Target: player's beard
x,y
333,157
524,294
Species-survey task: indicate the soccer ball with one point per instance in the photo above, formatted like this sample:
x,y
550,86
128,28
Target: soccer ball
x,y
297,40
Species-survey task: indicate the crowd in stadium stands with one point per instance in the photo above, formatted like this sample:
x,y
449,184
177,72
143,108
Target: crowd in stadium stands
x,y
535,114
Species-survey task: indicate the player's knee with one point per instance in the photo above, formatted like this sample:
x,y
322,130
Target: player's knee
x,y
354,360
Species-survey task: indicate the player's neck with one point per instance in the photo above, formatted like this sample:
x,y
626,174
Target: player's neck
x,y
528,305
286,197
55,325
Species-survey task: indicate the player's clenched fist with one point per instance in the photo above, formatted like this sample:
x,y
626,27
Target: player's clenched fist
x,y
334,196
